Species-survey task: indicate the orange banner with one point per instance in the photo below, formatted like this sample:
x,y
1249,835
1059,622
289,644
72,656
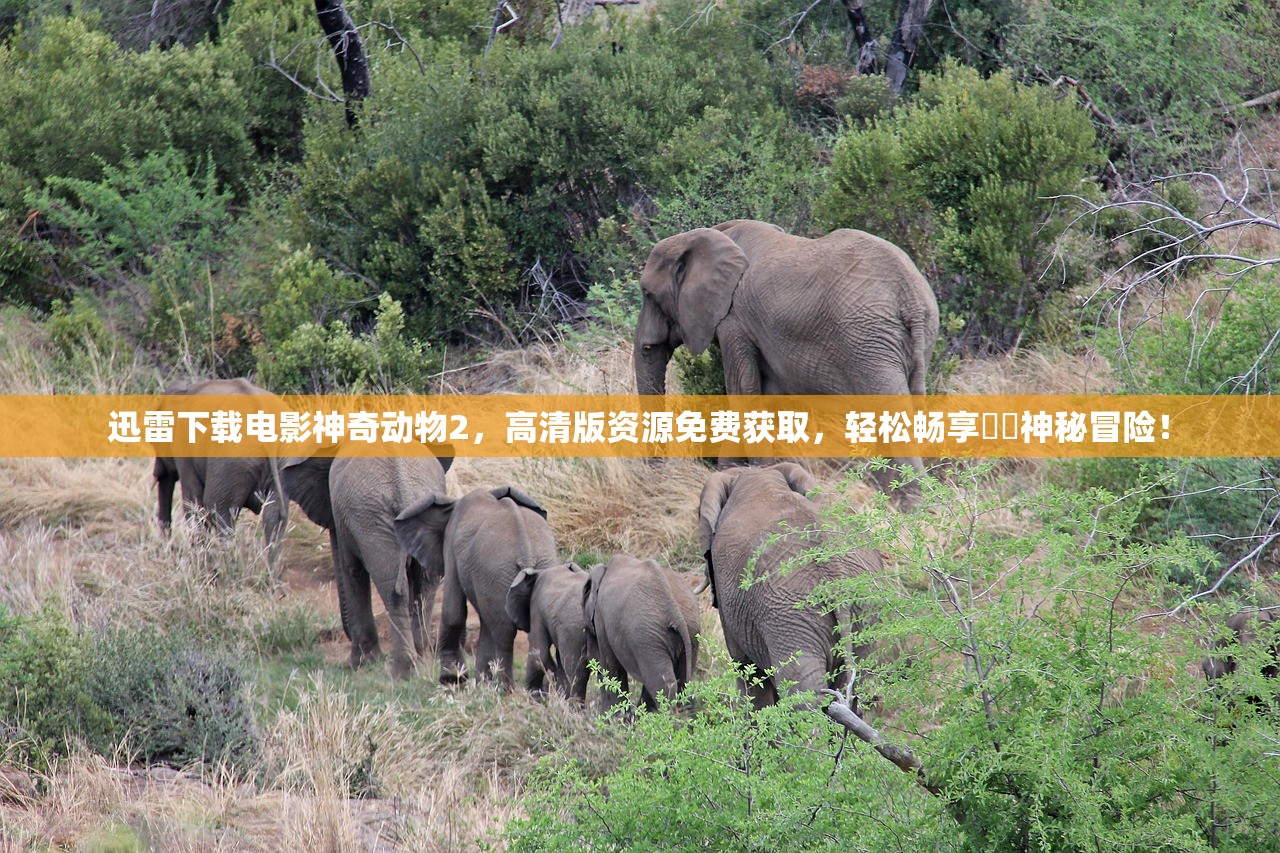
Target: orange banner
x,y
765,426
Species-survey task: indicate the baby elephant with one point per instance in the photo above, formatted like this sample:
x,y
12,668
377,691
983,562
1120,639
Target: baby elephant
x,y
1244,628
642,621
488,537
547,604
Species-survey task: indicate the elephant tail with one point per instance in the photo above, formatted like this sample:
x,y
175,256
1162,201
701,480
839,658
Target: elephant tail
x,y
685,651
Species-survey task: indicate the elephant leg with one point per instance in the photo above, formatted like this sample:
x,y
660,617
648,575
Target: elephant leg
x,y
355,598
453,627
401,624
275,517
741,376
494,653
422,594
539,662
166,478
611,667
573,670
806,671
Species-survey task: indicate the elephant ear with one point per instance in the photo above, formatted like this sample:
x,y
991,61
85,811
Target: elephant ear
x,y
714,495
574,567
798,480
707,273
590,596
306,482
420,529
444,454
519,497
520,596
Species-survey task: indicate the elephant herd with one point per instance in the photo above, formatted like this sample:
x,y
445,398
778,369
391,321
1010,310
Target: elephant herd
x,y
847,313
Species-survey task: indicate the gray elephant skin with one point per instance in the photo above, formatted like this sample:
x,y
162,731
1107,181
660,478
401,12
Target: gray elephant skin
x,y
547,604
764,514
220,487
357,500
642,623
488,536
1244,627
847,313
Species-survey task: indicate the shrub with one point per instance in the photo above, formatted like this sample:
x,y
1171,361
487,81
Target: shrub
x,y
76,329
76,102
138,212
314,356
175,702
1055,719
700,374
1152,68
170,699
478,168
45,667
727,778
972,162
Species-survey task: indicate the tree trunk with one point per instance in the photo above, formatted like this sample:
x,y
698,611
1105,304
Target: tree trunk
x,y
906,40
341,32
867,59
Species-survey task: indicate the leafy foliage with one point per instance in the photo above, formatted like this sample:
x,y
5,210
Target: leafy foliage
x,y
310,345
172,700
1151,66
964,174
1054,720
727,778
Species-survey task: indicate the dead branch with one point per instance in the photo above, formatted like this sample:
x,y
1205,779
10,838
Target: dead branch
x,y
1261,101
901,757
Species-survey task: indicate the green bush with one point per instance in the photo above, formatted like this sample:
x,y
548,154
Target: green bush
x,y
727,778
964,174
75,102
124,224
172,701
77,330
1152,68
322,354
169,699
700,374
1055,719
475,170
45,667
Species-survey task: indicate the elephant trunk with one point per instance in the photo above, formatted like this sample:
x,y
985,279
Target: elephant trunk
x,y
654,342
651,368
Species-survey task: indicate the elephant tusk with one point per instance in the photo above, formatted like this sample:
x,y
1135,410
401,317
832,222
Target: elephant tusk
x,y
706,582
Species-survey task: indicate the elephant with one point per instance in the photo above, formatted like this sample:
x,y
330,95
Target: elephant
x,y
488,537
547,605
642,621
222,486
1244,627
847,313
760,520
357,499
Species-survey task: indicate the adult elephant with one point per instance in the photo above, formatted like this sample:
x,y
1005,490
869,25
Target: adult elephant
x,y
357,499
488,537
220,487
642,622
759,521
847,313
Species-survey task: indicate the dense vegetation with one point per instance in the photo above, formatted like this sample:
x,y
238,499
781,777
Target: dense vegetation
x,y
181,193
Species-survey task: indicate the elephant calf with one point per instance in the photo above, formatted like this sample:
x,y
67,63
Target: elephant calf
x,y
547,604
488,536
763,515
642,621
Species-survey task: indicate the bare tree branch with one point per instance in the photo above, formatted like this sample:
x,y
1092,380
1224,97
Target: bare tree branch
x,y
901,757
